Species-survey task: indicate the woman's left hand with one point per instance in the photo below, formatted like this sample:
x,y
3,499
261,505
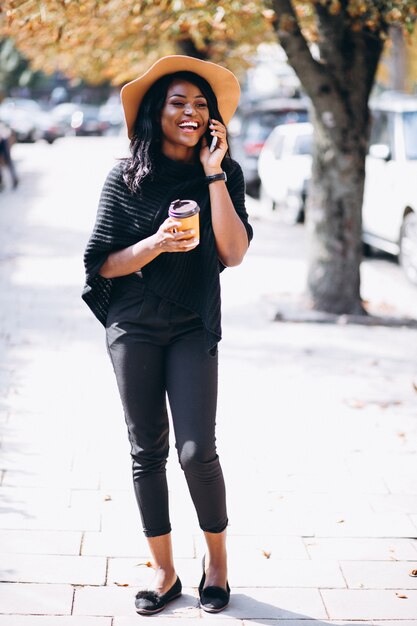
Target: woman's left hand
x,y
212,161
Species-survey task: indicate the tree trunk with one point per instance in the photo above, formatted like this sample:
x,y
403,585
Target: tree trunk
x,y
333,219
338,84
188,47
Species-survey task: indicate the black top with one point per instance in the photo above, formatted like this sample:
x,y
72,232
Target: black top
x,y
189,279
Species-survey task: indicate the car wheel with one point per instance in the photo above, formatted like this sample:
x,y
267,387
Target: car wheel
x,y
408,246
367,250
252,189
292,210
268,205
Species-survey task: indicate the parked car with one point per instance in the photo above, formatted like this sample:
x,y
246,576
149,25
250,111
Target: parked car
x,y
21,119
79,119
50,128
30,121
62,114
85,121
253,124
285,169
390,197
111,113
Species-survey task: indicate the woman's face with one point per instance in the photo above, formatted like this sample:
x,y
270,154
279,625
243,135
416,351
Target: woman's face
x,y
184,118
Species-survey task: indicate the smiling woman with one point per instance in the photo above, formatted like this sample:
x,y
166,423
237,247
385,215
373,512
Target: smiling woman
x,y
156,289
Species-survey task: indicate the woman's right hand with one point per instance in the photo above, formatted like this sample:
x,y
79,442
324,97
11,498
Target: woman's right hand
x,y
169,239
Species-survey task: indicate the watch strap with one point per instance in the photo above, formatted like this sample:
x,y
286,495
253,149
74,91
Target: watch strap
x,y
216,177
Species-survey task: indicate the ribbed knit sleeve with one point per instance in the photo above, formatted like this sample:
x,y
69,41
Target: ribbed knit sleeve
x,y
101,238
236,187
116,222
117,226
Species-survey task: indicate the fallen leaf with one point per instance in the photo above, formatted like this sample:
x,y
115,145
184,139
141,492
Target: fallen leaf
x,y
266,554
340,521
413,572
356,404
121,584
401,435
401,595
388,403
384,307
107,498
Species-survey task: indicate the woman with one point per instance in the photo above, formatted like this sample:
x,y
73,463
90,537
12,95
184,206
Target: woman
x,y
5,156
156,289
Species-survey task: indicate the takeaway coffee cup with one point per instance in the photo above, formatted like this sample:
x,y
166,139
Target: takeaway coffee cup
x,y
186,212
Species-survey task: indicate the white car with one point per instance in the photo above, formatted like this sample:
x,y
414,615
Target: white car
x,y
389,214
285,169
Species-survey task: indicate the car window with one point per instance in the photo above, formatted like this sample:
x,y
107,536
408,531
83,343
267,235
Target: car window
x,y
277,146
410,134
294,117
303,144
380,129
259,125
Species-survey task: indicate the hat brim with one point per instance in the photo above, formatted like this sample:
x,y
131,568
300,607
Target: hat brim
x,y
223,82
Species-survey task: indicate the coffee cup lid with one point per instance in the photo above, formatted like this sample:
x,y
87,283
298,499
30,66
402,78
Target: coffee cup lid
x,y
183,208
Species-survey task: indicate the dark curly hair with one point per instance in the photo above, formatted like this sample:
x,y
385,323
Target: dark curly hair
x,y
145,145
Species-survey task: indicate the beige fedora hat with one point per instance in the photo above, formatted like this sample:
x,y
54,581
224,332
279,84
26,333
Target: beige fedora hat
x,y
223,82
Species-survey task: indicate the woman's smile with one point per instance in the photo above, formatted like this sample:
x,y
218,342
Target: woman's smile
x,y
189,126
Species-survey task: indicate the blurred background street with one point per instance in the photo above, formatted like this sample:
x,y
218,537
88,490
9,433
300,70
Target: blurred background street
x,y
317,429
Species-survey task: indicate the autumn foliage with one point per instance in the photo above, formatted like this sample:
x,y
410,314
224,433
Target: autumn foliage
x,y
117,39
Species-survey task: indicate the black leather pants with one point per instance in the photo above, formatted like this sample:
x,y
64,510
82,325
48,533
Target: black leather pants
x,y
157,350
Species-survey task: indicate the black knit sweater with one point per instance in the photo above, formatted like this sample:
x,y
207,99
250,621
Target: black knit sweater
x,y
189,279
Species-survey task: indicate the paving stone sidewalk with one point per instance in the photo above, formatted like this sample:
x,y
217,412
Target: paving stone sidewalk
x,y
317,433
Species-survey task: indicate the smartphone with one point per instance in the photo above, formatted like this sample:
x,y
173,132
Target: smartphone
x,y
213,144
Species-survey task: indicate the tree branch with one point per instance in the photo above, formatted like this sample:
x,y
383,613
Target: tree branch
x,y
344,52
317,81
188,47
334,44
295,46
374,47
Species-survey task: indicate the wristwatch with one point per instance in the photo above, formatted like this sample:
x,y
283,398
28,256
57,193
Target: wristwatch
x,y
215,177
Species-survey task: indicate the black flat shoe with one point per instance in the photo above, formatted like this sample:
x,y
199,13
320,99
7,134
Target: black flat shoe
x,y
148,601
213,599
